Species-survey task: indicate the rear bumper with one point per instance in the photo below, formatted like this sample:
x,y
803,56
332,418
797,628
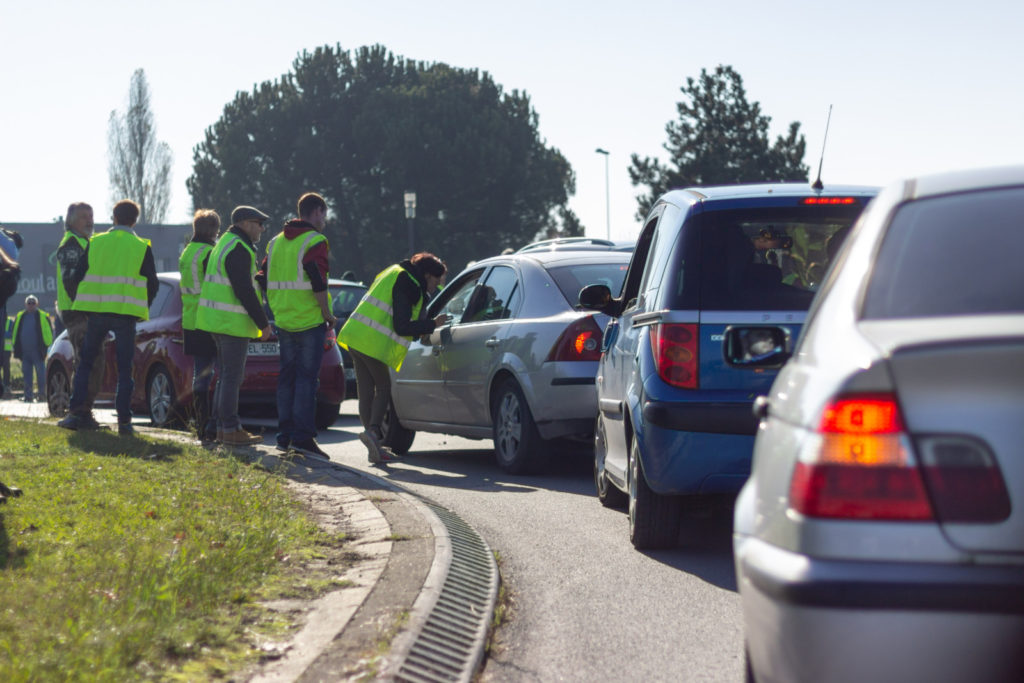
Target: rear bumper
x,y
714,418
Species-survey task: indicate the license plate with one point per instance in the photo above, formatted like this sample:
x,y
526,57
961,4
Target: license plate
x,y
263,349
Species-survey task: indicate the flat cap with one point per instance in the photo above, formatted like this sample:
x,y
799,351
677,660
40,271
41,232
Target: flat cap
x,y
247,213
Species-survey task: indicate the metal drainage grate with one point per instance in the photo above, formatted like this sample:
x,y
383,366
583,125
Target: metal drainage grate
x,y
451,644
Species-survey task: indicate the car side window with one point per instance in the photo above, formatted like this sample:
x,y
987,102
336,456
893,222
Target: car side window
x,y
631,286
491,301
454,299
661,251
160,300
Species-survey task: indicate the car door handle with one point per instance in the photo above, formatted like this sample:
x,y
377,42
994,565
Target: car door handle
x,y
492,343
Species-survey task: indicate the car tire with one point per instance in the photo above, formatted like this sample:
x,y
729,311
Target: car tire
x,y
518,447
607,493
161,399
395,436
326,414
653,518
58,391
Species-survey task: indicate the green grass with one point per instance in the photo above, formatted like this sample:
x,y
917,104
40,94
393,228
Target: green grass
x,y
139,559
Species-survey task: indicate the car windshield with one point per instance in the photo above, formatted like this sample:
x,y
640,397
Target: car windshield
x,y
767,258
954,255
572,278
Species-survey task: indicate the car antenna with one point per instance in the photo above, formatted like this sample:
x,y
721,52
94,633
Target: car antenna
x,y
817,183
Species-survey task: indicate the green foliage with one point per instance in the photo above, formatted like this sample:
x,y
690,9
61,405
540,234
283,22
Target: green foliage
x,y
363,127
719,139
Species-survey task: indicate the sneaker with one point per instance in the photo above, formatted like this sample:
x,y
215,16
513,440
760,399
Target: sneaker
x,y
125,429
72,421
309,447
240,437
283,445
372,443
387,455
87,421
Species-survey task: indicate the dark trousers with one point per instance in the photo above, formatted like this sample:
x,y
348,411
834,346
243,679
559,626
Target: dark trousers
x,y
231,355
96,330
76,323
301,355
374,382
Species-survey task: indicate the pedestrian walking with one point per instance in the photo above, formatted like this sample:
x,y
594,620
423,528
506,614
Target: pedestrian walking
x,y
199,343
117,287
33,334
296,271
78,230
389,316
231,309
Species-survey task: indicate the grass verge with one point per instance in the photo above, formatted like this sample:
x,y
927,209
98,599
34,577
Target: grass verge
x,y
136,559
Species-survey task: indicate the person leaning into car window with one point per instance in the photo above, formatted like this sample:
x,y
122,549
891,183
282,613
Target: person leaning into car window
x,y
118,283
198,343
378,339
231,309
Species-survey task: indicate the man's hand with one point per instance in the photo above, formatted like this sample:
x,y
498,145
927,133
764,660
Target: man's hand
x,y
442,319
330,319
265,332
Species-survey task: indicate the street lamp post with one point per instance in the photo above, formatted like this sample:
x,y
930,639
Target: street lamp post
x,y
607,198
410,215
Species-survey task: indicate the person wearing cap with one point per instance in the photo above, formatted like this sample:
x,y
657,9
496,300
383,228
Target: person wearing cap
x,y
33,334
230,308
379,331
295,272
118,284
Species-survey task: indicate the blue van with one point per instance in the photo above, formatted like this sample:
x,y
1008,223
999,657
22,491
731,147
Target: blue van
x,y
717,290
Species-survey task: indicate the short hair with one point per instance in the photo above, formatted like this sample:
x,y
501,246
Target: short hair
x,y
429,264
31,299
205,224
310,202
72,212
126,212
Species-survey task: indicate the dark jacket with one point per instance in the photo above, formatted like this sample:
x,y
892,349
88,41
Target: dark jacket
x,y
237,264
404,295
70,257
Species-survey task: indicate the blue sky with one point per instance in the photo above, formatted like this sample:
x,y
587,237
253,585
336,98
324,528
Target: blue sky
x,y
916,87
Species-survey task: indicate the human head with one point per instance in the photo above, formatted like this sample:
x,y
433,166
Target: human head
x,y
249,220
78,219
205,225
126,213
432,268
313,209
31,300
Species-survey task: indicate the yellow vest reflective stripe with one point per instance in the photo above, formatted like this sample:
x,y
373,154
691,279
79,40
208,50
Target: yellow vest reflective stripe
x,y
190,266
113,284
45,328
371,327
289,291
219,310
63,298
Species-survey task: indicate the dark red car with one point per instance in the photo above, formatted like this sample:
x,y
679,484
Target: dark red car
x,y
163,372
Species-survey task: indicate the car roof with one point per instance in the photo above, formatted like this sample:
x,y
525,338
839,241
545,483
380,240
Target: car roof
x,y
717,193
575,242
962,181
555,258
339,282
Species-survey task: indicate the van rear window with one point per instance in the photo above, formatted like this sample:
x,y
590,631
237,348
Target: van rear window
x,y
769,258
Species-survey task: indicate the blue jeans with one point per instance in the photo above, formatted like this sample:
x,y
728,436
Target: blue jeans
x,y
33,362
202,376
96,331
231,354
301,354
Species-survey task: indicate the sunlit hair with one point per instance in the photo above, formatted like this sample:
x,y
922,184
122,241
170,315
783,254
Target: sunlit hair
x,y
31,299
429,264
72,212
205,224
126,212
310,202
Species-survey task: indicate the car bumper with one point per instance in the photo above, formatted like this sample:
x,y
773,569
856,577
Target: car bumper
x,y
831,620
678,462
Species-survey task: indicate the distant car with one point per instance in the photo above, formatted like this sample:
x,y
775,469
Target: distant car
x,y
163,372
345,296
517,363
881,533
578,244
714,268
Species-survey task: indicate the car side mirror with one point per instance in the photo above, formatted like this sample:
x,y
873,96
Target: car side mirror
x,y
756,347
595,297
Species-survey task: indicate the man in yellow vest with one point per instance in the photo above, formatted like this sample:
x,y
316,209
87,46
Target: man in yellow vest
x,y
198,343
118,285
378,333
231,310
78,224
33,334
296,279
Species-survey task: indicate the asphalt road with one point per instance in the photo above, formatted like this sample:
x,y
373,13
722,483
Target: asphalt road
x,y
584,605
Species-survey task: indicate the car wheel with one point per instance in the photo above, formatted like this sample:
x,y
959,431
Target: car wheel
x,y
653,518
518,447
58,391
609,495
326,414
162,399
395,436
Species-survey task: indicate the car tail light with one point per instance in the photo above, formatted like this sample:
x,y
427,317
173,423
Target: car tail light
x,y
675,351
579,341
829,201
963,479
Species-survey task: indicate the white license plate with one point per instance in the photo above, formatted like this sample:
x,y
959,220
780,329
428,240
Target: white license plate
x,y
263,349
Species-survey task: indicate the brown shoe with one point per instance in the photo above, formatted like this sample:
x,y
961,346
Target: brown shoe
x,y
240,437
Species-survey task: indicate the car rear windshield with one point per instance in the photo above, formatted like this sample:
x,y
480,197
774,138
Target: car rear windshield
x,y
767,258
953,255
572,278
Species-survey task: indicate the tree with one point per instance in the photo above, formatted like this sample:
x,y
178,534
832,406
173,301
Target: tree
x,y
362,128
719,139
139,164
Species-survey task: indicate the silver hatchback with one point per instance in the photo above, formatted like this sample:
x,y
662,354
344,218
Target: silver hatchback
x,y
880,536
518,362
